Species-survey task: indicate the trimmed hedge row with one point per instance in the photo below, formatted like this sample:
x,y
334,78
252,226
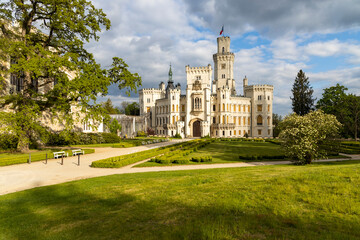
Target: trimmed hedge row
x,y
202,159
261,157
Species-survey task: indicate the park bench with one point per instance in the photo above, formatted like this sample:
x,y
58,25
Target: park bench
x,y
60,154
77,152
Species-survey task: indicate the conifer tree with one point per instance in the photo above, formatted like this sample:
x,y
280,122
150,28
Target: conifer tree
x,y
302,100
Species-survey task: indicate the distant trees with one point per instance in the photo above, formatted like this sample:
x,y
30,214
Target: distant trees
x,y
302,100
132,109
305,138
276,121
346,108
115,126
109,107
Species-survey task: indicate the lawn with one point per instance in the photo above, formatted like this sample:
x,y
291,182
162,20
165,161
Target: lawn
x,y
229,151
36,155
319,201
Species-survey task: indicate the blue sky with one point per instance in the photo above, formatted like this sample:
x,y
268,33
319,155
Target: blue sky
x,y
272,41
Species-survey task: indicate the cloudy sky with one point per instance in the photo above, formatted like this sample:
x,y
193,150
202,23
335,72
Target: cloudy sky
x,y
272,41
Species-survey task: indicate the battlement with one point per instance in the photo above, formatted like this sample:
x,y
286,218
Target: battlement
x,y
260,87
198,70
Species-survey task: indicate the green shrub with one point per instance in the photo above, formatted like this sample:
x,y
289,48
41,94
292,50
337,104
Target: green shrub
x,y
177,135
8,141
202,159
110,138
141,134
181,161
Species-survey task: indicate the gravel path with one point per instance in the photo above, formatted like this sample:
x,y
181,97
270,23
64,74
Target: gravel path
x,y
25,176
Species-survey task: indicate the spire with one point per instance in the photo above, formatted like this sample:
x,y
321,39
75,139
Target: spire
x,y
170,75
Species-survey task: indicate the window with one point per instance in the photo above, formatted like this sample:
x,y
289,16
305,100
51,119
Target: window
x,y
239,132
234,108
198,77
269,108
177,108
230,132
259,97
269,132
173,108
197,103
249,120
183,108
268,121
173,97
223,119
223,66
259,120
248,108
269,98
214,108
223,96
244,108
223,106
222,75
249,132
244,120
177,118
148,109
244,132
227,119
183,119
223,49
223,133
259,108
214,119
259,132
173,119
234,120
216,133
227,107
148,100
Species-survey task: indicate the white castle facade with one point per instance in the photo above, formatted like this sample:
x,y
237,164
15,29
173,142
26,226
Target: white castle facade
x,y
209,108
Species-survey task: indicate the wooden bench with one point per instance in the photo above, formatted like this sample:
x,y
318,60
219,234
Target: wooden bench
x,y
60,154
77,152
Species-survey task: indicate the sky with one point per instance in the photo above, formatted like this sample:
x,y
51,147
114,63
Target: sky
x,y
271,39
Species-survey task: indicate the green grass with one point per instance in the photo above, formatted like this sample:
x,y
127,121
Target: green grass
x,y
319,201
229,151
18,158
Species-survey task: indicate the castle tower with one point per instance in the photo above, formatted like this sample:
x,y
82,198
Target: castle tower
x,y
224,65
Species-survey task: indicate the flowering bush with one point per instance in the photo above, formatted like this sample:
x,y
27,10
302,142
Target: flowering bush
x,y
304,137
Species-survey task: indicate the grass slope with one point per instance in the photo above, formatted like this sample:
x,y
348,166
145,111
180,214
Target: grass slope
x,y
319,201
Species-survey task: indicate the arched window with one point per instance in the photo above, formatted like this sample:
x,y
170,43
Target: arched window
x,y
223,106
173,108
259,120
223,119
223,50
177,108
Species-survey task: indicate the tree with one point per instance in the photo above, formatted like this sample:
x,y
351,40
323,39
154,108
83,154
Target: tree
x,y
114,126
352,120
44,41
132,109
305,138
109,107
276,121
344,106
302,100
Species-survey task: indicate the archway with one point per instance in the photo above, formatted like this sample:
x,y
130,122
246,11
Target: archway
x,y
196,129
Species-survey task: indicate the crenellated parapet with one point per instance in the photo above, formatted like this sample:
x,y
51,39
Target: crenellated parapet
x,y
198,70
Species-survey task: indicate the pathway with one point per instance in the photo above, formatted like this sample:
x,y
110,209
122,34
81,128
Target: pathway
x,y
25,176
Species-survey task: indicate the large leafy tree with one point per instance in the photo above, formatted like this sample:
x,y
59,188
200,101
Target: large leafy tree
x,y
302,100
44,41
305,138
344,106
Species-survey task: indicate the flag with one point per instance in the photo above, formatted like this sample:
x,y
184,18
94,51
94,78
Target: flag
x,y
222,30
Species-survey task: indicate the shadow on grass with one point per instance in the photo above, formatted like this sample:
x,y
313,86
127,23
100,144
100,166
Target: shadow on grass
x,y
82,211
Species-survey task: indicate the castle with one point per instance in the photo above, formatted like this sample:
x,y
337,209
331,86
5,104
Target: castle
x,y
209,108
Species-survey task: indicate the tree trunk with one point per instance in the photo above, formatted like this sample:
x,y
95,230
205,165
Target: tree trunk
x,y
23,144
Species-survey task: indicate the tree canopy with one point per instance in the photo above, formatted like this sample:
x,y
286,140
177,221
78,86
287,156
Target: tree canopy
x,y
305,138
302,100
51,70
346,108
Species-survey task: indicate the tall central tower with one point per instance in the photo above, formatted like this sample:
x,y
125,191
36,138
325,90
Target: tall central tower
x,y
224,65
